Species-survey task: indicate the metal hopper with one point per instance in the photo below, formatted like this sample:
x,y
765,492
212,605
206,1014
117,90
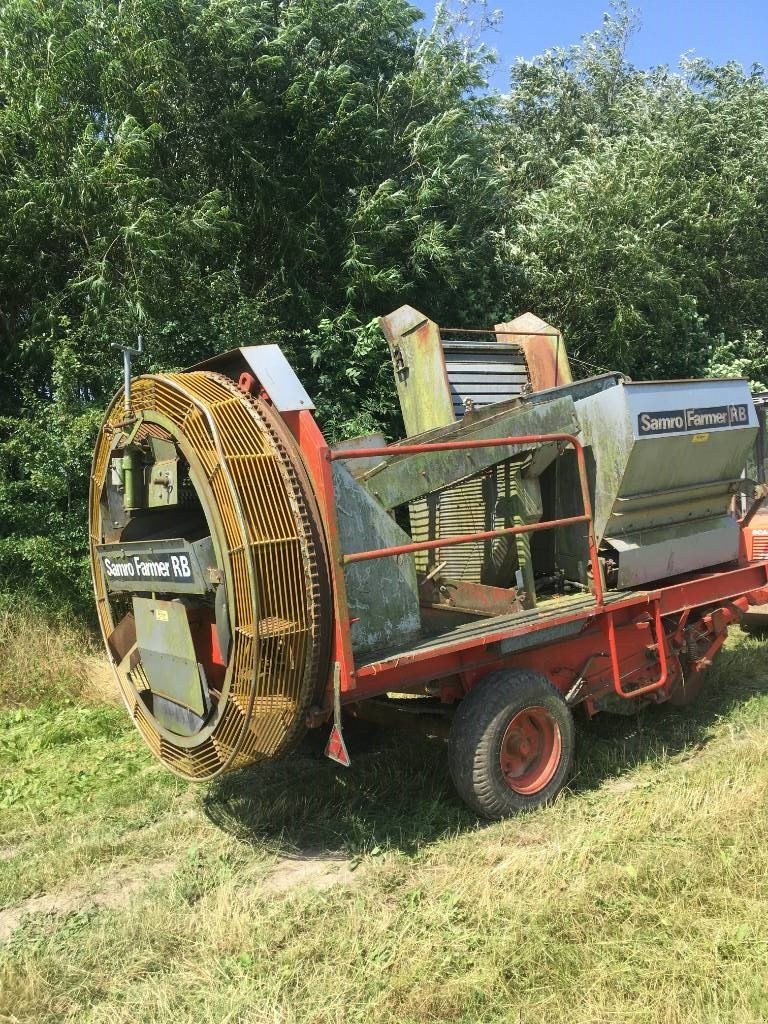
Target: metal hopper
x,y
667,460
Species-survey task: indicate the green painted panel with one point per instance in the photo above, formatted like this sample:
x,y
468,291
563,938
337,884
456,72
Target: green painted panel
x,y
164,641
401,478
382,593
420,375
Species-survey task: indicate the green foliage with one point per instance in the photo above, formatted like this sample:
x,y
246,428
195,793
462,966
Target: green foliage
x,y
641,203
43,495
208,174
741,357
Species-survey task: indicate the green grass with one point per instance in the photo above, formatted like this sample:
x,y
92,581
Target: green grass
x,y
640,896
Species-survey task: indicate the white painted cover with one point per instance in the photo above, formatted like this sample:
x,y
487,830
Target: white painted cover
x,y
277,377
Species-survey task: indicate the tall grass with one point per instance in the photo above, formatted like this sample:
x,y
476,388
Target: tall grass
x,y
47,655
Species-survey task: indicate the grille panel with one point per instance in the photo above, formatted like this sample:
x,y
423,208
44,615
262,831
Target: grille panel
x,y
257,503
484,372
759,546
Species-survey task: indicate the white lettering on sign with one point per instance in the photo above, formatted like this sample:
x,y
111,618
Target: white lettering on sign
x,y
153,569
657,424
738,414
181,565
118,570
672,421
697,418
171,567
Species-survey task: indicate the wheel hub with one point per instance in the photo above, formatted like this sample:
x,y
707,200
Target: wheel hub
x,y
530,750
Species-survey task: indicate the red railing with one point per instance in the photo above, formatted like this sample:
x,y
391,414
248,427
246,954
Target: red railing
x,y
464,538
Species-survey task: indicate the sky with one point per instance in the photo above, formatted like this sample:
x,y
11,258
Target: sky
x,y
735,30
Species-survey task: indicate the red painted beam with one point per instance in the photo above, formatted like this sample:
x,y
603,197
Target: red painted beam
x,y
450,446
460,538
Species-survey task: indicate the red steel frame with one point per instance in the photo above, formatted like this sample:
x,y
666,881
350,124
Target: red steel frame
x,y
497,442
624,625
349,676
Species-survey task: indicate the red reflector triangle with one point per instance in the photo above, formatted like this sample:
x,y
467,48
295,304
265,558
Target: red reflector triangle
x,y
336,749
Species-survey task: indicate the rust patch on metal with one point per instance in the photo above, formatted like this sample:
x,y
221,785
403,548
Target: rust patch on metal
x,y
543,348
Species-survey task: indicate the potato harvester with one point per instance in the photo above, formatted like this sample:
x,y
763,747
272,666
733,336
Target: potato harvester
x,y
535,546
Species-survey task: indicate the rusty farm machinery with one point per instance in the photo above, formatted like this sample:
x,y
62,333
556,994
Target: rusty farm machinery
x,y
534,545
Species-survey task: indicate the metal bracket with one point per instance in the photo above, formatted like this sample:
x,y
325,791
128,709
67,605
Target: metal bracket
x,y
759,499
127,353
574,694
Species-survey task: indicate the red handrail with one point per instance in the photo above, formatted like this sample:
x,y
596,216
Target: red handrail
x,y
459,538
661,646
497,442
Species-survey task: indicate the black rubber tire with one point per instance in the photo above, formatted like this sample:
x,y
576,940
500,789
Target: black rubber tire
x,y
477,730
755,620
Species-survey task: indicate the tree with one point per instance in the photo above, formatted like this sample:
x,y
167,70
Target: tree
x,y
638,202
213,173
210,174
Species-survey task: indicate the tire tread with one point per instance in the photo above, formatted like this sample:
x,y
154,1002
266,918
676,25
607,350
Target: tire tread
x,y
473,734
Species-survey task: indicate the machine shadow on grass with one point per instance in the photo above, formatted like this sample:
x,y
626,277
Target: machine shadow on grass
x,y
398,793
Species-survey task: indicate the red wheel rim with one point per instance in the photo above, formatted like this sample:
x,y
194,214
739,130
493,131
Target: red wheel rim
x,y
530,750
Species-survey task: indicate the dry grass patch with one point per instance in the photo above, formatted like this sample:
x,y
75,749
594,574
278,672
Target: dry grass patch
x,y
48,657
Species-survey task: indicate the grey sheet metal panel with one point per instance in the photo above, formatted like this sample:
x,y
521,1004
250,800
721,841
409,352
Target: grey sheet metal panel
x,y
483,372
168,657
671,551
549,635
665,460
676,457
382,594
578,389
401,478
270,367
359,467
172,566
277,377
